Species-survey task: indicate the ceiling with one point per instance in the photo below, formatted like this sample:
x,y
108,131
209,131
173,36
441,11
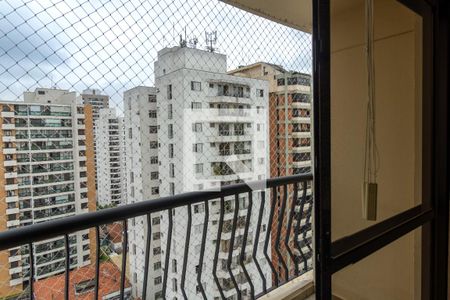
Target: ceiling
x,y
293,13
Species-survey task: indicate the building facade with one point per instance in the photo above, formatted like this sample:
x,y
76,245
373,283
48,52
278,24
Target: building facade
x,y
212,132
97,101
290,141
110,157
48,173
142,183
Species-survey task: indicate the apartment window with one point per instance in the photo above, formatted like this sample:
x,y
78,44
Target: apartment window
x,y
196,86
156,250
170,150
169,91
153,145
171,170
170,131
196,105
156,236
211,85
304,81
224,149
153,129
132,191
158,280
199,208
169,112
260,92
174,284
198,168
152,113
154,160
156,221
130,133
172,188
224,129
154,175
155,190
14,264
292,81
151,98
198,148
197,127
131,177
174,265
239,129
157,265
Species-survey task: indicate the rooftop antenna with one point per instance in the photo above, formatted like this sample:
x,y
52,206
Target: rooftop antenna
x,y
52,83
211,40
193,42
183,42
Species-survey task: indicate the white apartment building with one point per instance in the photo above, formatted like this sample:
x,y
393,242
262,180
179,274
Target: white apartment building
x,y
47,166
290,111
212,132
98,101
142,183
110,157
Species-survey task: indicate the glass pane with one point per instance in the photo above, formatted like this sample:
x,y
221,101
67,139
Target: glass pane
x,y
393,272
122,103
396,163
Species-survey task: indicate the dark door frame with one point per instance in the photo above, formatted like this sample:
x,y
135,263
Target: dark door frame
x,y
433,214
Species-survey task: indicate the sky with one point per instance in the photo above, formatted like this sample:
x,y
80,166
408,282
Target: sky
x,y
111,45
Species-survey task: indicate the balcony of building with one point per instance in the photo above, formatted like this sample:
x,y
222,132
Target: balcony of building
x,y
243,242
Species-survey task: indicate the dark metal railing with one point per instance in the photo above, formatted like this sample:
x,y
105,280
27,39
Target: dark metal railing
x,y
281,205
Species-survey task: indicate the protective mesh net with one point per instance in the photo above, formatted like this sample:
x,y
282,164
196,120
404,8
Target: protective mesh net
x,y
109,103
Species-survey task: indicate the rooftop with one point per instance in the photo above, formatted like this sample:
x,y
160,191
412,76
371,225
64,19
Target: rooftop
x,y
53,287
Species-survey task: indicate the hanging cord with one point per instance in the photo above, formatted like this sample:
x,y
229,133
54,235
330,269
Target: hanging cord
x,y
371,158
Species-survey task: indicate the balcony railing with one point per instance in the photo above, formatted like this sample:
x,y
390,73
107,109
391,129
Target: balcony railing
x,y
266,228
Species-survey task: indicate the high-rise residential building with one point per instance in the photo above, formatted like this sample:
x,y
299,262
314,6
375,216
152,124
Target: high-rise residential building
x,y
290,136
199,128
97,101
95,98
142,183
290,120
212,132
110,157
48,172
